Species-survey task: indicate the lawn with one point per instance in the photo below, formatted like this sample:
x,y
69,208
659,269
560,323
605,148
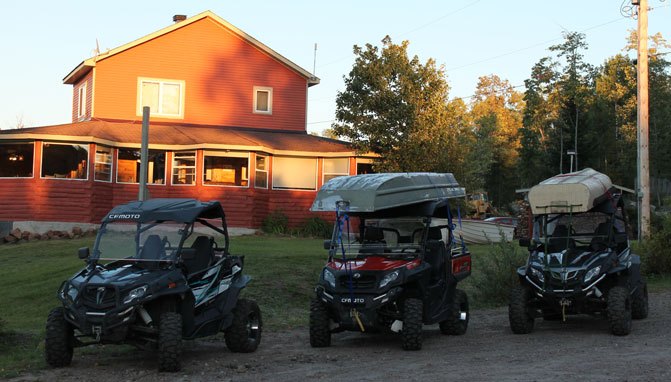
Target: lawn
x,y
283,271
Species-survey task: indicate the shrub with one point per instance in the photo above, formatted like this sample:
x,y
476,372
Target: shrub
x,y
655,254
277,222
497,272
316,227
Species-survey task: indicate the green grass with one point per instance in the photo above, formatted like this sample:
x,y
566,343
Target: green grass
x,y
284,272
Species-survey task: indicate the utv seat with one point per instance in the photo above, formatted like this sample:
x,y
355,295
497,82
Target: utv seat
x,y
601,237
201,256
373,241
435,252
559,240
152,249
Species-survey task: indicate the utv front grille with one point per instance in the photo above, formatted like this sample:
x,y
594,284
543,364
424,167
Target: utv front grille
x,y
565,276
360,282
99,297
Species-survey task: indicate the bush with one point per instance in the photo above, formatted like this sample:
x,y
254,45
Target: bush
x,y
277,222
497,272
655,253
316,227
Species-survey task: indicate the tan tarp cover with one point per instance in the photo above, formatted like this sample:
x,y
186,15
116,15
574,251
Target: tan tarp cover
x,y
572,192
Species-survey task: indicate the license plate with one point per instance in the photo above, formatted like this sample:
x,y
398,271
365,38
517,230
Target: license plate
x,y
357,300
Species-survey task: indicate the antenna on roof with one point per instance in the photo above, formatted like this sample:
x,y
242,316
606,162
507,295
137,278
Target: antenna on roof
x,y
96,51
314,63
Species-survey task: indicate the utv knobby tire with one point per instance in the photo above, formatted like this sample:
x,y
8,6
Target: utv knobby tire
x,y
521,320
619,310
169,342
411,334
320,331
59,339
639,303
244,334
454,325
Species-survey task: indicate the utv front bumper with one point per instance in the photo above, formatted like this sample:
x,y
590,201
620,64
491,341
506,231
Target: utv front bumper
x,y
353,310
108,326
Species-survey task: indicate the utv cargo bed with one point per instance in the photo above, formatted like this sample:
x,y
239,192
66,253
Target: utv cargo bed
x,y
374,192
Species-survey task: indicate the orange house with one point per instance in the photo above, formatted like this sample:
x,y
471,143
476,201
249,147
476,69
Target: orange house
x,y
228,122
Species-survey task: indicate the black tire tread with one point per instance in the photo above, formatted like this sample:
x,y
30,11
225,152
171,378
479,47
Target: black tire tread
x,y
320,333
170,342
237,336
619,310
411,334
521,322
639,303
454,325
58,344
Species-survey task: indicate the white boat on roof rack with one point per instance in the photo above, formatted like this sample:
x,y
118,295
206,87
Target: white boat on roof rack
x,y
574,192
374,192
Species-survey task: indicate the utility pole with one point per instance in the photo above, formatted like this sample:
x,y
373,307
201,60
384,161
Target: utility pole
x,y
643,119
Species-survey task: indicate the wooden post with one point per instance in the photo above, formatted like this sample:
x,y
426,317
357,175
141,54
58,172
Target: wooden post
x,y
143,193
642,120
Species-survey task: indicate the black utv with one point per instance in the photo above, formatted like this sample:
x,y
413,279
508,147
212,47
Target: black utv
x,y
392,262
160,272
580,261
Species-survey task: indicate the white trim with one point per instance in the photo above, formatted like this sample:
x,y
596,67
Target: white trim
x,y
111,163
88,152
257,155
161,82
81,103
224,154
195,168
268,90
32,165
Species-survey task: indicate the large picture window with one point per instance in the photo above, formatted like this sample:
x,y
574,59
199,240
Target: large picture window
x,y
165,98
128,166
263,100
16,160
103,164
335,167
184,167
294,173
261,171
226,168
67,161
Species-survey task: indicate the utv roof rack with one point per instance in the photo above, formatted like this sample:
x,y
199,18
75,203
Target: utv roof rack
x,y
374,192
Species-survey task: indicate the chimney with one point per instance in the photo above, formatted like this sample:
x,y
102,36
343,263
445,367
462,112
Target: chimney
x,y
178,18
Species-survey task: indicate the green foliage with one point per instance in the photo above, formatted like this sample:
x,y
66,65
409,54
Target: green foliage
x,y
495,273
277,222
315,227
655,254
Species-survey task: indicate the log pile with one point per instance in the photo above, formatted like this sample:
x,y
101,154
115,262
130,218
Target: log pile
x,y
18,236
524,220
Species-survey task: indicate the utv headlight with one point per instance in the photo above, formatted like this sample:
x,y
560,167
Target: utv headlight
x,y
69,293
538,274
388,278
135,294
329,277
592,273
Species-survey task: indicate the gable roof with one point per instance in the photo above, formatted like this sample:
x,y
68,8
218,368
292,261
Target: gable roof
x,y
85,66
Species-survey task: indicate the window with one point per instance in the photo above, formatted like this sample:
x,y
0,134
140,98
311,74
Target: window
x,y
164,97
16,160
263,100
63,160
364,166
226,169
81,101
103,164
294,173
128,166
261,171
184,167
335,167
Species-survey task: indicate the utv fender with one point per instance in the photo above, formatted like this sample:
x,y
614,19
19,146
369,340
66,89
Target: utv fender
x,y
234,291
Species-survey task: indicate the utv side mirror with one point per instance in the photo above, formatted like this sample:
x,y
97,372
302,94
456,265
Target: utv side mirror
x,y
327,244
525,242
83,253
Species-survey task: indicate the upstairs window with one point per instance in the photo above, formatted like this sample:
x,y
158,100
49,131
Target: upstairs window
x,y
65,161
81,101
184,167
16,160
165,98
263,100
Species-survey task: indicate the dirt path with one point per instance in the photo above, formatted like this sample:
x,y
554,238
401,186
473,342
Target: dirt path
x,y
580,349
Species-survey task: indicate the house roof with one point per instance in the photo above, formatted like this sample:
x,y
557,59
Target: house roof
x,y
186,137
88,64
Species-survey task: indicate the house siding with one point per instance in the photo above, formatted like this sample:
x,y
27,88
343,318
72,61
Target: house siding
x,y
220,71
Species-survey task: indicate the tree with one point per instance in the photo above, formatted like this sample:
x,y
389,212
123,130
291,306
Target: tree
x,y
398,108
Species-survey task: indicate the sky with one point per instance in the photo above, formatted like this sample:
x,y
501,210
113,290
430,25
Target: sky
x,y
42,41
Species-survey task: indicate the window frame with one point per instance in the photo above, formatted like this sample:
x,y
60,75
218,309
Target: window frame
x,y
96,162
81,101
275,173
161,82
88,153
165,166
225,154
32,164
173,167
268,90
256,170
337,174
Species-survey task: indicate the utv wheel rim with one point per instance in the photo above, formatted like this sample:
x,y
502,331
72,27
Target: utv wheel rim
x,y
253,326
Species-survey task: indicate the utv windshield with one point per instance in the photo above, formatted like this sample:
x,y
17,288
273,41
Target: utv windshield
x,y
387,237
141,242
588,231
